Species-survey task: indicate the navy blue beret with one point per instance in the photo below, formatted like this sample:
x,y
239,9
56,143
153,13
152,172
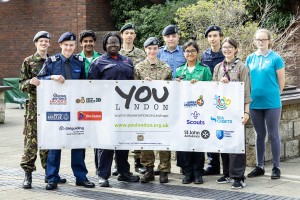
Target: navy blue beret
x,y
67,36
170,29
212,28
41,34
127,26
151,41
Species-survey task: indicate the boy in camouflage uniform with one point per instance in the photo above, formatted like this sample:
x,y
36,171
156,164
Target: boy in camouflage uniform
x,y
28,82
136,55
154,69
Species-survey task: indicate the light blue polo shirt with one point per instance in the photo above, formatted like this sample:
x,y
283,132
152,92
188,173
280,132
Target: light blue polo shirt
x,y
265,90
173,58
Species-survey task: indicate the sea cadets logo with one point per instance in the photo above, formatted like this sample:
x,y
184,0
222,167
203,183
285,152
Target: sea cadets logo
x,y
198,102
58,99
221,103
58,116
88,100
221,119
89,115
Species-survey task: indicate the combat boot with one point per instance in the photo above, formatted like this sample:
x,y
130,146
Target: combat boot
x,y
27,180
148,176
139,167
163,177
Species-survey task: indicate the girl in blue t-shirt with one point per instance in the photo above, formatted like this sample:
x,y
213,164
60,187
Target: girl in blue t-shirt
x,y
267,76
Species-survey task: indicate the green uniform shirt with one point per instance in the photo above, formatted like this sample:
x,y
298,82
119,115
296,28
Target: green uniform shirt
x,y
87,63
159,71
200,72
136,55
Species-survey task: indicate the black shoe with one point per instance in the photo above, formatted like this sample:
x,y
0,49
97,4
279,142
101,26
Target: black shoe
x,y
27,180
103,182
163,177
128,178
209,171
275,173
86,184
198,180
51,186
187,180
115,171
257,171
60,181
139,168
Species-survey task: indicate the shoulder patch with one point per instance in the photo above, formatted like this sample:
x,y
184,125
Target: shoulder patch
x,y
53,58
79,57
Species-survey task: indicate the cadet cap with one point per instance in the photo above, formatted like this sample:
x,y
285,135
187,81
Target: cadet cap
x,y
170,29
67,36
212,28
41,34
151,41
127,26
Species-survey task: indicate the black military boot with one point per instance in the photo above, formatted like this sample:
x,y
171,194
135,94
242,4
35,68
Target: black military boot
x,y
139,168
148,176
163,177
27,180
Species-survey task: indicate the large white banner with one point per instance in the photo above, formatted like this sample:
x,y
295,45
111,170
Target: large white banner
x,y
150,115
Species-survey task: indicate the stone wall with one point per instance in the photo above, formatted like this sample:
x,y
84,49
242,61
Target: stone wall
x,y
290,136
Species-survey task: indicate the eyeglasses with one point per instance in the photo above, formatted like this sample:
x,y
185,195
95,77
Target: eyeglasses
x,y
113,44
261,40
228,48
193,51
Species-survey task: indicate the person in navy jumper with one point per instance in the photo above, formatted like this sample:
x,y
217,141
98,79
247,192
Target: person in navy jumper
x,y
61,67
112,66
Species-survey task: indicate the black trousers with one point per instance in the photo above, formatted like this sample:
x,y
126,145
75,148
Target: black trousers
x,y
234,165
193,163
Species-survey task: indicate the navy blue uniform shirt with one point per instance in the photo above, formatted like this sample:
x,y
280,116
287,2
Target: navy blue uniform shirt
x,y
211,58
107,68
54,65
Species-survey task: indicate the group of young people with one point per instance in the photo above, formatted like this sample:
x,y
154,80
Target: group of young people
x,y
263,75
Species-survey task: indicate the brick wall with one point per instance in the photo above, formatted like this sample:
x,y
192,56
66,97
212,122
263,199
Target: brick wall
x,y
22,19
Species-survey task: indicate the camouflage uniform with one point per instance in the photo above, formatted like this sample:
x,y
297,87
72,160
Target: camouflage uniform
x,y
30,68
159,71
136,55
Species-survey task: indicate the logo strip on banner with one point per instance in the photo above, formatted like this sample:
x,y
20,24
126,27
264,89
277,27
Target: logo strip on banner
x,y
89,115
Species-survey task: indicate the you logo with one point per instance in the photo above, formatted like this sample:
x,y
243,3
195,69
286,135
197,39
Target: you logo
x,y
146,93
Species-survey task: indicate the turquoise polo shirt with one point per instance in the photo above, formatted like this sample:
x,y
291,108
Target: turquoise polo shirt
x,y
87,63
265,90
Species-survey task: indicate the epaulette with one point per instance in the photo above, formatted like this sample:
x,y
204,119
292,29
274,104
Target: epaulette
x,y
54,58
204,65
79,57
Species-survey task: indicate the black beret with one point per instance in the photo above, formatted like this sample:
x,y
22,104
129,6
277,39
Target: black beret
x,y
67,36
127,26
170,29
41,34
151,41
212,28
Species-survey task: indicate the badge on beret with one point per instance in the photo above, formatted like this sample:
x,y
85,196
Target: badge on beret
x,y
72,38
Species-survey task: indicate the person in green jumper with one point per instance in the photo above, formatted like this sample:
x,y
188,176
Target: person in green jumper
x,y
87,40
192,70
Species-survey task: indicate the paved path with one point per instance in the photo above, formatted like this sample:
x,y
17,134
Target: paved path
x,y
11,177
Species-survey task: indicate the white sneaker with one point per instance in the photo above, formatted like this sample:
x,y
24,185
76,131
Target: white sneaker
x,y
238,184
103,182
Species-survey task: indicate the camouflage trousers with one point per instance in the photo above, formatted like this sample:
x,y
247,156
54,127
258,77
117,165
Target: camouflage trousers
x,y
137,154
30,140
148,159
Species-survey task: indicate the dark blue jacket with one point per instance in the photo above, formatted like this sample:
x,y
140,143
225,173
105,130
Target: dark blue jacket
x,y
108,68
212,60
54,65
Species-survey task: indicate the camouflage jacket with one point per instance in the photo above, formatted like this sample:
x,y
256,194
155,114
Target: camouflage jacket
x,y
136,55
30,68
159,71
